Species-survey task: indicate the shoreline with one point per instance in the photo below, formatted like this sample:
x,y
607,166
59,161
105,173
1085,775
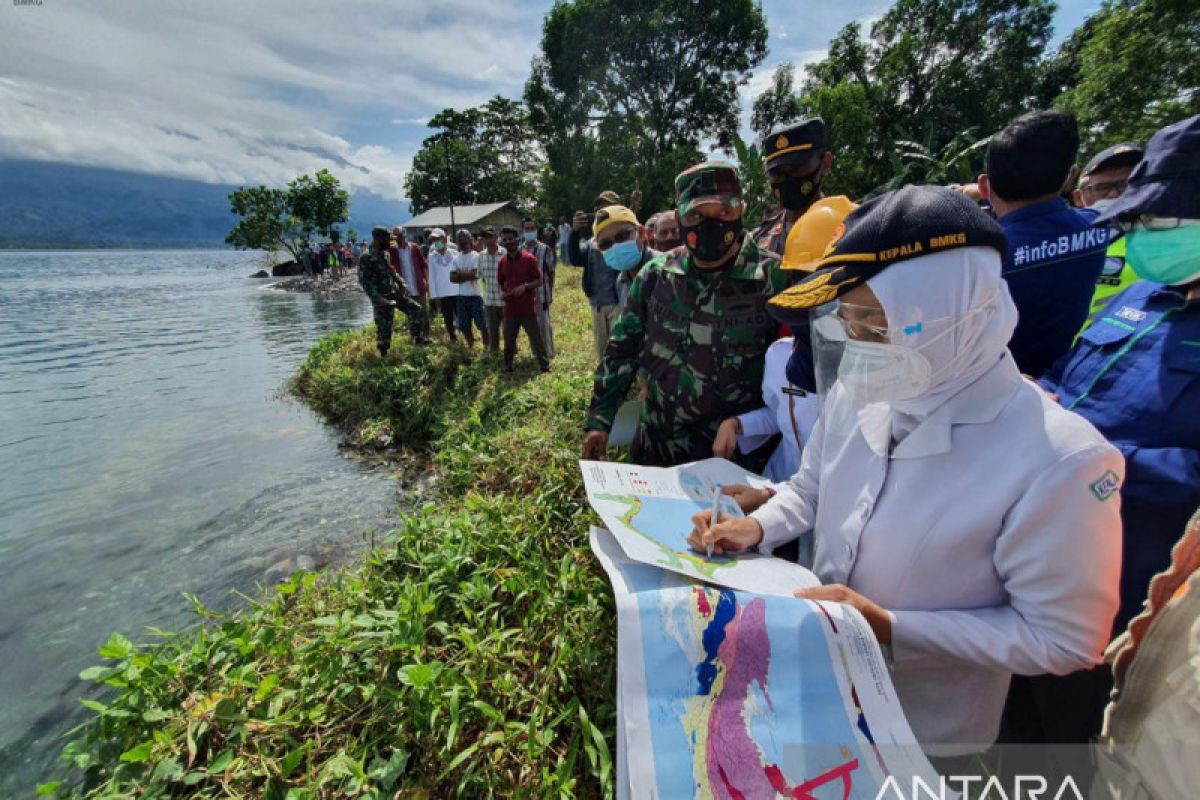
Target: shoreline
x,y
472,653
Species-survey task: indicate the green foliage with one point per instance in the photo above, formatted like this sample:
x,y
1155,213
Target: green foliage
x,y
1132,69
920,163
285,218
930,71
472,655
622,94
778,104
756,190
480,155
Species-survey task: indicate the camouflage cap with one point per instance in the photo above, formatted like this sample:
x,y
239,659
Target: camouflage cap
x,y
708,182
607,198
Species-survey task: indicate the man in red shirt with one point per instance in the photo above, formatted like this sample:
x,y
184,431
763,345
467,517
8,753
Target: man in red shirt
x,y
519,277
410,265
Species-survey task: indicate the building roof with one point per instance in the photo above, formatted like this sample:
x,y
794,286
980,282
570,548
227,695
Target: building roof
x,y
439,217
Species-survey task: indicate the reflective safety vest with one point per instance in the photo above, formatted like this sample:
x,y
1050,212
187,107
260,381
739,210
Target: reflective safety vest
x,y
1115,278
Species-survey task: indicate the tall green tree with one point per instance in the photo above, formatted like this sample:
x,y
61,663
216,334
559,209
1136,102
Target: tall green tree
x,y
623,94
930,71
778,104
478,155
273,219
1132,68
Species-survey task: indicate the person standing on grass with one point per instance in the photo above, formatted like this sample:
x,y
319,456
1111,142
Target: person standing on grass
x,y
387,292
470,302
493,305
408,261
443,293
519,277
545,293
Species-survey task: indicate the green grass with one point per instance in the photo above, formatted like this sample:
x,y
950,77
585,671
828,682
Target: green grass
x,y
471,655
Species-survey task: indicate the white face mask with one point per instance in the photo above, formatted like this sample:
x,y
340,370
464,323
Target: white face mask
x,y
878,372
1102,204
873,372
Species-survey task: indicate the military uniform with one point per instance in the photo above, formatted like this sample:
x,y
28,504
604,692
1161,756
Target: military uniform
x,y
380,282
771,235
701,337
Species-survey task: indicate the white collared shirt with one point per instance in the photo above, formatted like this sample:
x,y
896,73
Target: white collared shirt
x,y
992,533
786,410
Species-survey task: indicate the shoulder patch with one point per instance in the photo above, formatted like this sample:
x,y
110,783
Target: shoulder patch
x,y
1106,486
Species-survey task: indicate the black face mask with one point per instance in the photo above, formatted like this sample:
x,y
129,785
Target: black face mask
x,y
712,239
797,194
663,245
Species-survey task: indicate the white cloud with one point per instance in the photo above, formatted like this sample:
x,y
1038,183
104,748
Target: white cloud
x,y
234,92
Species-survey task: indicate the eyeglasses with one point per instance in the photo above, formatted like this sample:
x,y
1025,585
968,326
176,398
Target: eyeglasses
x,y
1106,189
617,238
1153,223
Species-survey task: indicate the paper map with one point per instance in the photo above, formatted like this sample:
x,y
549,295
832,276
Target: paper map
x,y
649,510
726,694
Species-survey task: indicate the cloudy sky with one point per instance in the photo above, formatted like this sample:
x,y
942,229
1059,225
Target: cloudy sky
x,y
230,91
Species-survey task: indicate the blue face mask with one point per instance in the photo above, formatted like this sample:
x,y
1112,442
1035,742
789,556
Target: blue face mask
x,y
530,235
1171,256
623,255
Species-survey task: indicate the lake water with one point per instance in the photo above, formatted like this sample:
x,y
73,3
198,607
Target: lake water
x,y
145,451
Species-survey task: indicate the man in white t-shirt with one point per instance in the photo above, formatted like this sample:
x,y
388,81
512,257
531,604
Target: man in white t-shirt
x,y
470,302
443,292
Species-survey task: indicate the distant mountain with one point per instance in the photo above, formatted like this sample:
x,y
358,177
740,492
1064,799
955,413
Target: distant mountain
x,y
61,205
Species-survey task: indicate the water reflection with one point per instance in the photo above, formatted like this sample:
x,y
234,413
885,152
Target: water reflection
x,y
146,452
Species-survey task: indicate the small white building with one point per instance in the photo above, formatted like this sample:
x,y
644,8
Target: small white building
x,y
473,218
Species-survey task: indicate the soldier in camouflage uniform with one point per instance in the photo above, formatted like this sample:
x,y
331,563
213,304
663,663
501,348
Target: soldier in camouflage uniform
x,y
387,292
696,323
796,161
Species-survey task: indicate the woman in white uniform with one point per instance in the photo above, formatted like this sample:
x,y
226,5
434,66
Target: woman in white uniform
x,y
971,520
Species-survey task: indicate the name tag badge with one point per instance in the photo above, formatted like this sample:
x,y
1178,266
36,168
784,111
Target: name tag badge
x,y
1131,314
794,391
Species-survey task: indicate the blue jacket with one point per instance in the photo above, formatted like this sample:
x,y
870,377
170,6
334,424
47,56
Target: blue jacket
x,y
599,282
1054,257
1135,375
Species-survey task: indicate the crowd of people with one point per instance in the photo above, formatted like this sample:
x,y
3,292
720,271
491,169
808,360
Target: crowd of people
x,y
491,283
976,404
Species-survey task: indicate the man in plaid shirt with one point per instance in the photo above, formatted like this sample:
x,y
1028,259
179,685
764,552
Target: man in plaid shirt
x,y
493,304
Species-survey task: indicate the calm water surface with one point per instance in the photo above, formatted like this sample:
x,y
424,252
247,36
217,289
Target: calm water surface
x,y
145,451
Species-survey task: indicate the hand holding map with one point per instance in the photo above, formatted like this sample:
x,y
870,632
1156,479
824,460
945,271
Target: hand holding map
x,y
650,509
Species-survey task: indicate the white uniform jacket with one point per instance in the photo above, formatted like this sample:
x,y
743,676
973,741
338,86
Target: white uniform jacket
x,y
786,410
991,532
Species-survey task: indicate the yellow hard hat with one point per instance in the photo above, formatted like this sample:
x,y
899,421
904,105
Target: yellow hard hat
x,y
812,233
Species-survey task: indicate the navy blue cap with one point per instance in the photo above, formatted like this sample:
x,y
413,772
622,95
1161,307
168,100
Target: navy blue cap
x,y
1167,181
906,223
795,143
1125,154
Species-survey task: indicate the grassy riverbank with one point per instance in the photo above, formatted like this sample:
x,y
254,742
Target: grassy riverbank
x,y
472,654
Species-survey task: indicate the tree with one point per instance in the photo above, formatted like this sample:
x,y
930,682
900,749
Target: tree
x,y
1134,68
778,104
756,190
478,155
273,218
623,94
930,71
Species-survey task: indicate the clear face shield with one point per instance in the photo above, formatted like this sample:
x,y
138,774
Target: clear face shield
x,y
874,360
